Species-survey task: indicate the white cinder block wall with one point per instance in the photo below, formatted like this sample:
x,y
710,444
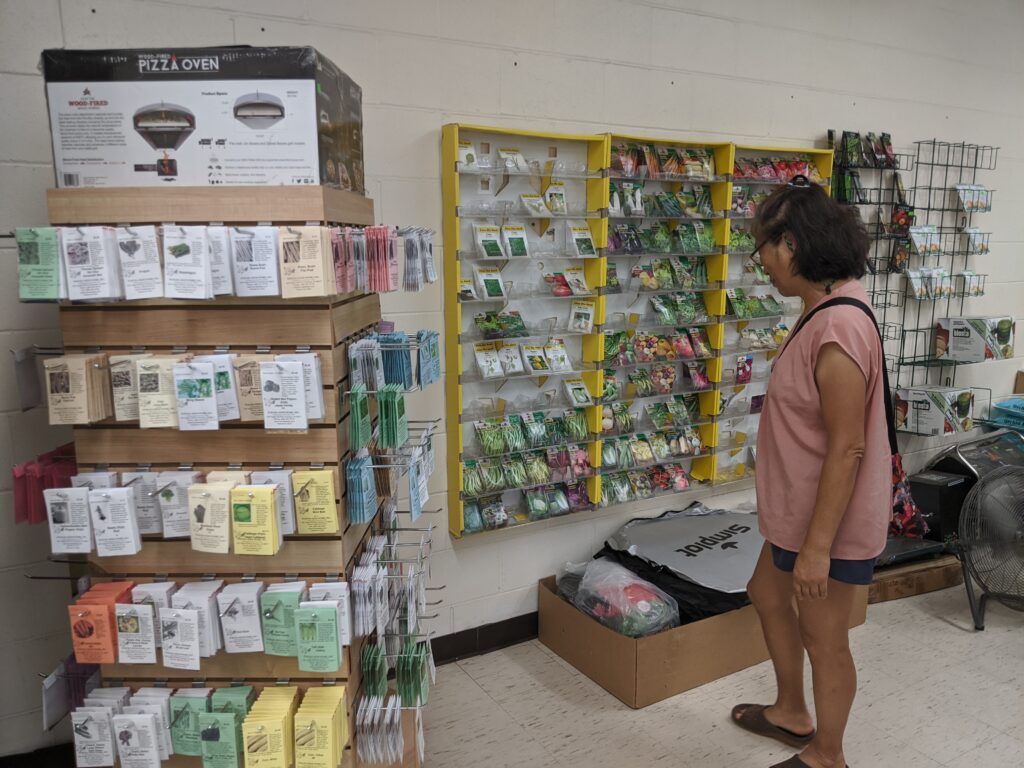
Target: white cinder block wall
x,y
745,70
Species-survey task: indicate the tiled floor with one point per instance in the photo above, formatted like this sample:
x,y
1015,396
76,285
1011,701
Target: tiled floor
x,y
932,693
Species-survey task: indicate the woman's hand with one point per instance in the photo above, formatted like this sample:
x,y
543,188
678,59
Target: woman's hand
x,y
810,574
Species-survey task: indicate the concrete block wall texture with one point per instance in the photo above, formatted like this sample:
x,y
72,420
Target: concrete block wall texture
x,y
743,70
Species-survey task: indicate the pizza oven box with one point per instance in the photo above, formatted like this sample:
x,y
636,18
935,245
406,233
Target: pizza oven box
x,y
645,670
203,117
974,339
934,410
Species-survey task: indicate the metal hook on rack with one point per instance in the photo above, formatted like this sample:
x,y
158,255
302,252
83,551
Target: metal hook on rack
x,y
158,491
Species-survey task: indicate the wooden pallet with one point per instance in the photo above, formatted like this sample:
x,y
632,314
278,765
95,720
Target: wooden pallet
x,y
898,581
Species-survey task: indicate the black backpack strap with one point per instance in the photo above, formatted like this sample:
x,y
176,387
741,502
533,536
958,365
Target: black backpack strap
x,y
890,412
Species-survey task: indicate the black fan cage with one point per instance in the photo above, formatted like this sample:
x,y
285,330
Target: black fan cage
x,y
992,535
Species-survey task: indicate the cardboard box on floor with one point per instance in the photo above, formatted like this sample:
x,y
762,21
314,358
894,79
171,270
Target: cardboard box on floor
x,y
645,670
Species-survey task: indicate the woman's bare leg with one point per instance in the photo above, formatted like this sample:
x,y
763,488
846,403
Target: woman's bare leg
x,y
771,592
824,628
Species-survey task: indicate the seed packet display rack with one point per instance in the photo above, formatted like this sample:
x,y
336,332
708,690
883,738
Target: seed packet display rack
x,y
486,173
927,258
324,325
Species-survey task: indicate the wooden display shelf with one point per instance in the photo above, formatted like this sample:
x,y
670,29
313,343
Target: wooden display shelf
x,y
899,581
297,555
210,324
230,666
251,445
200,205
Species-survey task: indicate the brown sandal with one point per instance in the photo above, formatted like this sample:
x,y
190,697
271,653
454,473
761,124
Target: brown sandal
x,y
751,717
793,762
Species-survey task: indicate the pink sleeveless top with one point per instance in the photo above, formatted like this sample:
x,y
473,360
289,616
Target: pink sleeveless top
x,y
791,440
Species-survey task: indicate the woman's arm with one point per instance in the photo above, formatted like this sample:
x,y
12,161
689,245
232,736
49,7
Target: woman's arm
x,y
843,393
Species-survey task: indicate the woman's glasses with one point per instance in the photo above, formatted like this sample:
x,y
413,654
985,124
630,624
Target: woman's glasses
x,y
755,255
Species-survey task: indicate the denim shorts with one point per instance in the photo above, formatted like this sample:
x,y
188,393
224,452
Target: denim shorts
x,y
857,572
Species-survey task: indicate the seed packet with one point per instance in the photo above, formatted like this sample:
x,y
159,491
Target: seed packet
x,y
701,344
664,350
744,168
624,239
493,513
489,435
534,206
682,346
661,270
488,241
741,241
577,392
666,204
610,454
558,356
554,197
680,482
625,459
659,415
770,305
644,273
490,282
535,359
579,461
661,479
737,303
663,310
537,469
661,239
681,274
616,489
641,380
641,484
578,496
558,284
516,245
512,433
693,439
511,324
645,345
664,378
765,170
467,289
581,315
488,325
624,421
659,446
536,504
511,359
973,284
615,346
698,375
487,360
612,284
583,241
558,463
514,470
534,429
556,429
641,450
611,389
738,207
976,241
918,284
744,368
677,413
689,308
702,201
577,281
472,479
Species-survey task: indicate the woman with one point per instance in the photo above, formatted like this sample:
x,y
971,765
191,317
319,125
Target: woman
x,y
824,491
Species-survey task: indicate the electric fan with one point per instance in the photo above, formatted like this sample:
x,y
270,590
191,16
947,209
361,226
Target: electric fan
x,y
991,545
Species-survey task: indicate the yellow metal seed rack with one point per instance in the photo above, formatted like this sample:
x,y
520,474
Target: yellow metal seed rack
x,y
485,170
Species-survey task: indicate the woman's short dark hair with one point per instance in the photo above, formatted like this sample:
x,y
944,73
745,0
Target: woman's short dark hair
x,y
829,240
